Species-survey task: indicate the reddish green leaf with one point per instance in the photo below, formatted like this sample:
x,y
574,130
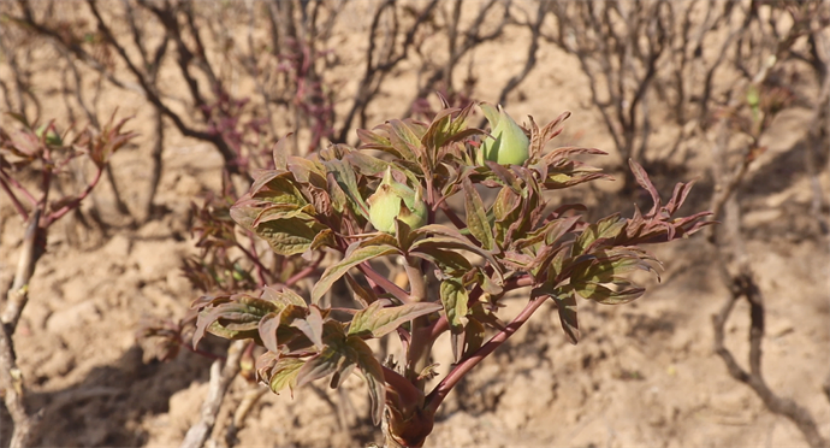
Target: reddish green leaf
x,y
643,180
567,309
616,293
451,263
345,177
378,321
311,326
335,357
477,220
285,296
284,373
352,259
289,236
238,317
454,298
362,295
373,375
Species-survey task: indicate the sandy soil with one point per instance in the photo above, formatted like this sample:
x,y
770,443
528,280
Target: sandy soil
x,y
644,375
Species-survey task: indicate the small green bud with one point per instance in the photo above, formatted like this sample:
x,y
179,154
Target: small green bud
x,y
509,145
52,137
393,200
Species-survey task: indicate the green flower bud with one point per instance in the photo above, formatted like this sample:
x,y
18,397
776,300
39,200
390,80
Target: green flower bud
x,y
393,200
509,145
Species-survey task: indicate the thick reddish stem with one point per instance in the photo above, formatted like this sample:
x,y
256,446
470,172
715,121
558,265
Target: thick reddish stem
x,y
435,398
405,389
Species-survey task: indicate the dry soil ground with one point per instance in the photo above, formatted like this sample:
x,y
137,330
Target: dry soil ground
x,y
644,375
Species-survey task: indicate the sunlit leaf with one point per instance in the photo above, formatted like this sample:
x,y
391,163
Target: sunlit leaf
x,y
336,271
284,374
237,317
477,220
377,321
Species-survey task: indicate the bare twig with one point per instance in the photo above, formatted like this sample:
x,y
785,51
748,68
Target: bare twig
x,y
11,377
378,66
222,374
531,60
618,47
737,273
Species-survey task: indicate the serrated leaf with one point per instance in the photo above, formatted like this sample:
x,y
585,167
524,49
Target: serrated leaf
x,y
378,321
477,220
373,374
352,259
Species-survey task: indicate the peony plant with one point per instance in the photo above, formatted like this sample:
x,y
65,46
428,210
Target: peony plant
x,y
389,198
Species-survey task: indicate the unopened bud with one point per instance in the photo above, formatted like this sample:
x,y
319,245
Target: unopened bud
x,y
509,145
393,200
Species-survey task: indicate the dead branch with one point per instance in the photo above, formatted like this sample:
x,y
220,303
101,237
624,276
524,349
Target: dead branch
x,y
473,37
378,66
738,276
531,59
608,39
222,374
25,424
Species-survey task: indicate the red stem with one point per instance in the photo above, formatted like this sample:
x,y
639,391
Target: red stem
x,y
384,282
58,214
408,393
441,325
252,255
17,205
17,185
305,271
438,394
